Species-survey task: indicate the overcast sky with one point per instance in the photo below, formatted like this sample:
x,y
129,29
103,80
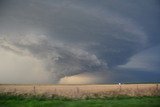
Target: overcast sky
x,y
79,41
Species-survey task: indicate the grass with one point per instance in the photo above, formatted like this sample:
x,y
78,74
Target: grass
x,y
41,101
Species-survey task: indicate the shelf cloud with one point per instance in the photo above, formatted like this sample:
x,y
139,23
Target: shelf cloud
x,y
50,40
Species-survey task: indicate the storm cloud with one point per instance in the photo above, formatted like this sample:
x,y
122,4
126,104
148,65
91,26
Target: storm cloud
x,y
70,37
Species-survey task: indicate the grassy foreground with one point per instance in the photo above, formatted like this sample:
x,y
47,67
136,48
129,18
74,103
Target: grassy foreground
x,y
19,101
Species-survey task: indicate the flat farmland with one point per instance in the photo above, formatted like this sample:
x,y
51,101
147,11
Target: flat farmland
x,y
83,91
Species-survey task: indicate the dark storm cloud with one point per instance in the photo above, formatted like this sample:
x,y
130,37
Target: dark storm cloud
x,y
75,36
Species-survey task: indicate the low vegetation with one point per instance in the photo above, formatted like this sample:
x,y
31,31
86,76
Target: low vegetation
x,y
129,95
40,101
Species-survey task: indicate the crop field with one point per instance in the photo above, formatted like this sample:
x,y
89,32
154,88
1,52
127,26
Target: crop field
x,y
83,91
124,95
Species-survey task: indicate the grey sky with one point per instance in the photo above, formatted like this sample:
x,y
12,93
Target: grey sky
x,y
70,37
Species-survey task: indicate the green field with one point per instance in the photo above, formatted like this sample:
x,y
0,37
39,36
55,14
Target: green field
x,y
19,101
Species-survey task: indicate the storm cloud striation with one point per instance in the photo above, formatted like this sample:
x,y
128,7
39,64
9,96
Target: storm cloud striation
x,y
45,41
